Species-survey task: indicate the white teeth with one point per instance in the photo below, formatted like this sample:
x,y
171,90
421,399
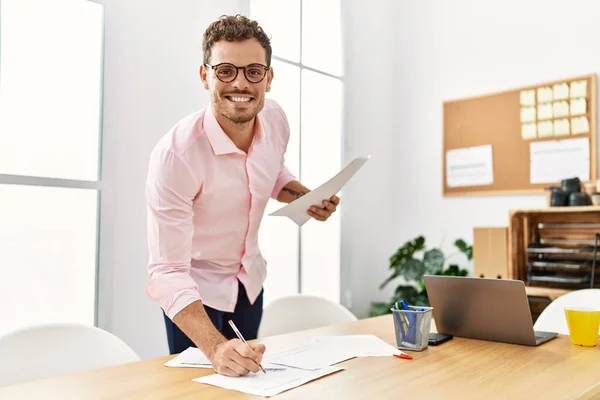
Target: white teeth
x,y
239,99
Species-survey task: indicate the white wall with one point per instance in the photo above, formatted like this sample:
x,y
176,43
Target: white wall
x,y
368,205
452,49
152,53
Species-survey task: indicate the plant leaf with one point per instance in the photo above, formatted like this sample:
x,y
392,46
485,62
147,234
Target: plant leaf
x,y
464,248
413,269
433,261
406,251
406,293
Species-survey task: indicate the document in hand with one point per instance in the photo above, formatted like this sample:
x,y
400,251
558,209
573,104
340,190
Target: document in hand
x,y
269,384
296,210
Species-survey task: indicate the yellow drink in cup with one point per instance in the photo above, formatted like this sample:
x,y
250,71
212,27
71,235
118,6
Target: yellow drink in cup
x,y
584,324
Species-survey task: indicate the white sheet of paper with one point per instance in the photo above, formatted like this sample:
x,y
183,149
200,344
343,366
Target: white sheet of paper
x,y
363,345
527,97
544,111
578,106
527,114
528,131
470,166
560,91
560,109
297,209
269,384
192,357
580,125
310,355
579,89
562,127
545,129
554,160
544,94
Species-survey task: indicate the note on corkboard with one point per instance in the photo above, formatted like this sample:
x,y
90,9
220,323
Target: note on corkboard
x,y
490,142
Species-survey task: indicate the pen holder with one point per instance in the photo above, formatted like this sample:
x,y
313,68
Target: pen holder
x,y
412,327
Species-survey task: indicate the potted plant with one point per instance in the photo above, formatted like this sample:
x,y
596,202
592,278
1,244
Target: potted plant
x,y
410,263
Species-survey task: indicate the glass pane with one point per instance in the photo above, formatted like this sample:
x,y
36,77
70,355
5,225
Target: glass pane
x,y
321,150
322,35
48,248
50,88
285,90
281,22
279,237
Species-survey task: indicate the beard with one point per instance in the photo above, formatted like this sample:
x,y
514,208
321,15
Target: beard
x,y
241,115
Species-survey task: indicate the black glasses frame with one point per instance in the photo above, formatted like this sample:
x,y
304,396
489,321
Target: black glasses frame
x,y
237,69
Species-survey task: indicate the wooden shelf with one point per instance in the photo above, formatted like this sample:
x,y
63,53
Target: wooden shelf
x,y
551,293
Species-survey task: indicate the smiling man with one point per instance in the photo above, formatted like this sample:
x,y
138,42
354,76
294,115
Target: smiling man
x,y
208,184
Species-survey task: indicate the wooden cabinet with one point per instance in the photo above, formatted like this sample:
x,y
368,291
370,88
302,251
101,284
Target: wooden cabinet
x,y
554,250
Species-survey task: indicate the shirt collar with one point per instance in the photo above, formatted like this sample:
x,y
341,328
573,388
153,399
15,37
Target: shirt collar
x,y
218,139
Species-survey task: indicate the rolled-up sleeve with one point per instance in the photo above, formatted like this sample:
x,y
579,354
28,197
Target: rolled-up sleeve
x,y
283,178
170,189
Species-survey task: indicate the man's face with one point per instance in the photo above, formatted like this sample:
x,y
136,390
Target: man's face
x,y
239,100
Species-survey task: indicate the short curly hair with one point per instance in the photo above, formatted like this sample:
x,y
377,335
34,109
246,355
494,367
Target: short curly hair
x,y
234,28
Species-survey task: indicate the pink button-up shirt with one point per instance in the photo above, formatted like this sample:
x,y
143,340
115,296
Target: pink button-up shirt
x,y
206,199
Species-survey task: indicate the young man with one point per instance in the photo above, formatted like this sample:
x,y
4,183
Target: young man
x,y
209,180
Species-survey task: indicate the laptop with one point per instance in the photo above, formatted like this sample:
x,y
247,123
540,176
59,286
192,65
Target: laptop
x,y
483,308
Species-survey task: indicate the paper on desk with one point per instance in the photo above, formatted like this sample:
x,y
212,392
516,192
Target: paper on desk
x,y
297,210
269,384
192,357
361,345
310,355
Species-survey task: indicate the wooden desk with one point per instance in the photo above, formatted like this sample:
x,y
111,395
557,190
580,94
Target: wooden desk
x,y
458,369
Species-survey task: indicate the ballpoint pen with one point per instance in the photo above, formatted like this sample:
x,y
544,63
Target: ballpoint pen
x,y
239,335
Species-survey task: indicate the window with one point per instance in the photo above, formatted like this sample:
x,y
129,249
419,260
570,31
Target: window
x,y
308,84
50,111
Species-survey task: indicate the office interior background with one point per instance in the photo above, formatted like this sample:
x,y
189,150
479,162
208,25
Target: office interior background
x,y
80,113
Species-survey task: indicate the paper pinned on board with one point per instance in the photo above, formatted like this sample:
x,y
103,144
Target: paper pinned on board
x,y
545,129
560,109
578,106
297,210
562,127
544,94
579,89
579,125
554,160
544,111
527,97
528,131
470,166
527,114
561,91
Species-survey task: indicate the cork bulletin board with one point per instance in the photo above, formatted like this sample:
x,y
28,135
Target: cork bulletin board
x,y
520,140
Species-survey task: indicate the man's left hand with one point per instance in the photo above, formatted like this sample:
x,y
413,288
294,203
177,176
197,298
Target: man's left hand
x,y
322,213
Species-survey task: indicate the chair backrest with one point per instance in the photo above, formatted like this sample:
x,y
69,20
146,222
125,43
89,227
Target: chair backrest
x,y
300,312
552,319
48,350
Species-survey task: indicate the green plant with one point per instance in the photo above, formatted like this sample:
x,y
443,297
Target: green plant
x,y
406,264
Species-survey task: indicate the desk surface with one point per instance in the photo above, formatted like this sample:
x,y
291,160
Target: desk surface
x,y
460,368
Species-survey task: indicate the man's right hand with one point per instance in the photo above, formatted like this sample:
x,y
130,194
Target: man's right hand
x,y
236,358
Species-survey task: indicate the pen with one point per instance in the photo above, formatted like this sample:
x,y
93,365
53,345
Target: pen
x,y
239,335
404,356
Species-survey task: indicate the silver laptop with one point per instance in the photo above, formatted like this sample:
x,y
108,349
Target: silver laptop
x,y
482,308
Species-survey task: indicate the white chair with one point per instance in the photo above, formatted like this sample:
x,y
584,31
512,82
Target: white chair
x,y
552,319
54,349
300,312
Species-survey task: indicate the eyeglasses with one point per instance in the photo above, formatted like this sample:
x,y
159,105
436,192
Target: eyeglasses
x,y
227,72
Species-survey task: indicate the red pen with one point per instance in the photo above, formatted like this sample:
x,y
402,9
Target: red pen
x,y
404,356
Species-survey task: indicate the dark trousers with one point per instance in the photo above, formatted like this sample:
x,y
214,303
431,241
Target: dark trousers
x,y
246,317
